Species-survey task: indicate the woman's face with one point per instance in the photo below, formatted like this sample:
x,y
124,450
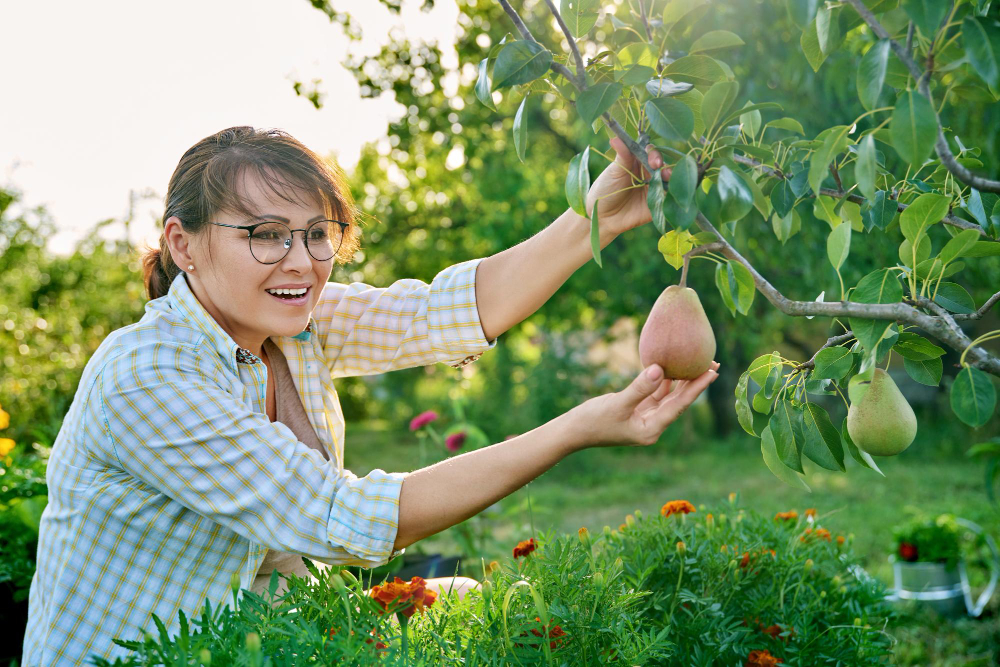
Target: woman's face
x,y
232,285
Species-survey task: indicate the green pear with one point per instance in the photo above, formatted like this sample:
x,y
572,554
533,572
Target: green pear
x,y
677,335
880,421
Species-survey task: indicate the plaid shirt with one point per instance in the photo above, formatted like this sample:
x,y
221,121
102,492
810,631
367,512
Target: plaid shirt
x,y
167,477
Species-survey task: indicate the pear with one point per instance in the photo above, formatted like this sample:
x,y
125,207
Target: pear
x,y
677,335
880,421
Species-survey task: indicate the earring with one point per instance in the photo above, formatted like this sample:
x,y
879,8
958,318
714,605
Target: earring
x,y
190,267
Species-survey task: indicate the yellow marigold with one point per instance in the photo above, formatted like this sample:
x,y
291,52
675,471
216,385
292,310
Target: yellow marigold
x,y
811,513
709,519
6,447
677,507
4,419
681,547
823,533
791,514
622,527
723,548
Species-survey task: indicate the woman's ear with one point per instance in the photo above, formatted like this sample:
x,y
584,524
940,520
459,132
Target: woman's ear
x,y
178,241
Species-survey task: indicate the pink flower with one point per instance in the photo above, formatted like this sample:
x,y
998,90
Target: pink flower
x,y
422,420
455,441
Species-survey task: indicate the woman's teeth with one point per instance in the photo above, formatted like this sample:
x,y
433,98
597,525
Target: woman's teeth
x,y
289,292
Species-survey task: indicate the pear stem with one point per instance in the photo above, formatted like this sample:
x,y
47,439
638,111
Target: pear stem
x,y
700,250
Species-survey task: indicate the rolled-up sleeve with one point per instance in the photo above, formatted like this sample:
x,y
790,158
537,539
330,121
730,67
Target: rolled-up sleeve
x,y
367,330
181,433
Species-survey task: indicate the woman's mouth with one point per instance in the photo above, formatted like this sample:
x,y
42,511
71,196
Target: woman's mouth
x,y
291,297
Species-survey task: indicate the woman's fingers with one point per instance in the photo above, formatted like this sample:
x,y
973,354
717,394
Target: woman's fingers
x,y
653,399
678,401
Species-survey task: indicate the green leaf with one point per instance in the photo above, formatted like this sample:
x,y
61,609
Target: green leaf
x,y
982,47
838,245
871,74
519,62
761,367
924,371
782,197
789,124
741,286
927,15
692,99
823,21
701,70
722,282
859,455
802,12
734,195
750,119
678,9
918,348
674,245
644,74
715,39
768,451
743,413
654,200
883,210
483,93
984,249
906,251
595,237
717,101
973,397
670,118
935,269
789,450
926,210
677,215
953,297
520,130
832,362
879,286
636,53
597,99
913,128
819,38
824,209
786,227
864,168
822,440
579,15
959,245
835,142
578,181
683,181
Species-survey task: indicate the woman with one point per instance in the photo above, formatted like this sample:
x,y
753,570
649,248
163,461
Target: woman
x,y
206,440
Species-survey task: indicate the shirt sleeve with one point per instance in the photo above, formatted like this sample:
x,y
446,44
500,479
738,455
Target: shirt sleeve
x,y
174,427
368,330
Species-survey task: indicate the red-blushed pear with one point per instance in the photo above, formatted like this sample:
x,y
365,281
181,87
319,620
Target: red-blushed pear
x,y
677,335
880,421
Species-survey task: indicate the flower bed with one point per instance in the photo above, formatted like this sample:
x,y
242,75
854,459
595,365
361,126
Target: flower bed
x,y
686,586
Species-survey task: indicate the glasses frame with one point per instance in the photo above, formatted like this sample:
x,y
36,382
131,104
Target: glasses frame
x,y
305,239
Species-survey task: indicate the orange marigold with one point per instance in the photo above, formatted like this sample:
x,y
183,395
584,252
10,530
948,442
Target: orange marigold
x,y
823,533
554,633
840,539
745,561
806,534
414,592
811,513
762,659
677,507
524,547
791,514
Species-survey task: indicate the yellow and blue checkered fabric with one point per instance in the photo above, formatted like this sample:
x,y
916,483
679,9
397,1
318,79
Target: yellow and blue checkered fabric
x,y
167,477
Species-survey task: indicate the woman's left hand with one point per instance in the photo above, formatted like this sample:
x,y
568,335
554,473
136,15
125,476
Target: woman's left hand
x,y
623,209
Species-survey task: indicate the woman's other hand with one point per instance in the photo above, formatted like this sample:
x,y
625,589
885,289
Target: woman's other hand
x,y
638,414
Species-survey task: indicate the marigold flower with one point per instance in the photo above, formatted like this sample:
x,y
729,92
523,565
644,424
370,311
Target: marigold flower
x,y
379,646
4,419
806,534
745,561
724,548
709,519
811,513
415,592
762,659
584,536
791,514
622,527
455,441
907,551
732,497
6,447
840,540
554,633
823,533
422,420
677,507
524,547
774,631
681,548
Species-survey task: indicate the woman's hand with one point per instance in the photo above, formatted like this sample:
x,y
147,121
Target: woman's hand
x,y
638,414
622,209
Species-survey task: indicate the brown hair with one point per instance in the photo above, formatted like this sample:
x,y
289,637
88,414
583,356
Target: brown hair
x,y
204,183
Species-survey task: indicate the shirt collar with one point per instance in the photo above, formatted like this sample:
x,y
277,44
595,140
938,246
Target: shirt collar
x,y
182,299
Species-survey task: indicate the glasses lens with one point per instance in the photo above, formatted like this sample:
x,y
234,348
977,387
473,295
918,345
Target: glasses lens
x,y
270,242
324,238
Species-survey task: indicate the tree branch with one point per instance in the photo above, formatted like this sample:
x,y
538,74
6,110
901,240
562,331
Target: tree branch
x,y
581,75
921,77
830,342
978,315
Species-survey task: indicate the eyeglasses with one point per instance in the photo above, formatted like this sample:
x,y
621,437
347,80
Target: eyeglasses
x,y
271,240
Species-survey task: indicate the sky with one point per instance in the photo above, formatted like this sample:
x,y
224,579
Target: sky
x,y
104,97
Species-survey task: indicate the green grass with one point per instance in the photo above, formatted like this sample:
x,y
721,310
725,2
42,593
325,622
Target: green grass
x,y
599,487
